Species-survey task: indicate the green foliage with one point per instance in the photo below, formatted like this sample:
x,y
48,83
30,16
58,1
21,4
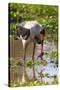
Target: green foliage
x,y
55,81
43,62
46,75
29,63
12,28
54,54
19,64
38,62
30,83
44,14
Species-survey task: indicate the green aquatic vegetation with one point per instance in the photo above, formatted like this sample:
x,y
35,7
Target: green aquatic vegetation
x,y
46,54
29,83
46,75
44,62
55,80
19,63
54,54
32,83
30,63
38,62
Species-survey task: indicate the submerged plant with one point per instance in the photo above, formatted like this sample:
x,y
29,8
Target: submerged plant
x,y
30,63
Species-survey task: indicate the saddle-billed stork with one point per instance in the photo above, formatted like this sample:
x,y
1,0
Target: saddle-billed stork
x,y
30,31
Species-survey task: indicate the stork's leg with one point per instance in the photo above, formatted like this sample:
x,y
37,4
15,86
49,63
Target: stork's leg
x,y
24,67
33,60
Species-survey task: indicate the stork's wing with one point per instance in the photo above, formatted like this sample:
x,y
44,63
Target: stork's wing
x,y
24,32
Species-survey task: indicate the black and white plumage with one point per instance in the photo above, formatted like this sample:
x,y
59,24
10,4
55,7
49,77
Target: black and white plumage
x,y
30,31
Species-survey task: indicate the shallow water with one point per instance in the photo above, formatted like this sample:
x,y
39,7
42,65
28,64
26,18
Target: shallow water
x,y
16,55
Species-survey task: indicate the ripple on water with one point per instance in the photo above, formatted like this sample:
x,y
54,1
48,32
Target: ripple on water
x,y
48,68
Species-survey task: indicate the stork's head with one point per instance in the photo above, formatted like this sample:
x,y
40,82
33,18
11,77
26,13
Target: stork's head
x,y
42,35
40,38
